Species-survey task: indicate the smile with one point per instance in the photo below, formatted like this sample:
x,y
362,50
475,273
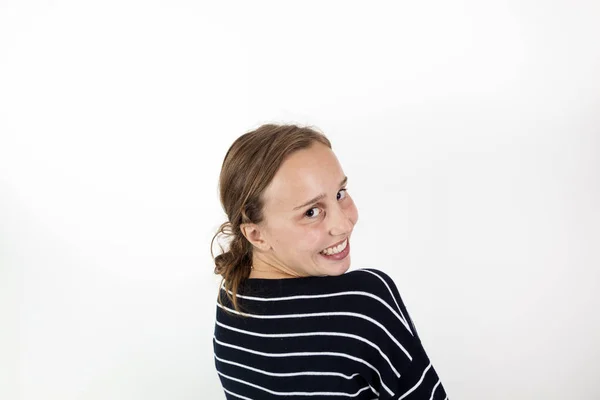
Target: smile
x,y
338,248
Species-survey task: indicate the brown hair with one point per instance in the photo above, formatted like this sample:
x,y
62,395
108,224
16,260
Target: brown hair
x,y
248,168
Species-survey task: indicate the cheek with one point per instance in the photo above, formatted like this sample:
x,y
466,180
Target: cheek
x,y
309,240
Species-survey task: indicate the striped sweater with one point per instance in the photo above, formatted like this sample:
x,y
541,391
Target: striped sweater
x,y
329,337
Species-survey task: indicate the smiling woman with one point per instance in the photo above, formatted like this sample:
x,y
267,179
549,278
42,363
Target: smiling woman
x,y
290,319
290,241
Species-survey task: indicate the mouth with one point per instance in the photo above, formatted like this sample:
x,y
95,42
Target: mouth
x,y
338,251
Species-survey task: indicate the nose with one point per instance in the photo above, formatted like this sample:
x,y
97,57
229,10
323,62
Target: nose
x,y
340,224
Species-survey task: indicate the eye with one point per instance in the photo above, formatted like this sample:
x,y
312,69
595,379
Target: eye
x,y
311,215
310,212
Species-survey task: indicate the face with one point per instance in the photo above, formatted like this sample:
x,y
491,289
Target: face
x,y
297,227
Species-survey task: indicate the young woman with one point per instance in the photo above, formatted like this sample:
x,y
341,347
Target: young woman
x,y
291,321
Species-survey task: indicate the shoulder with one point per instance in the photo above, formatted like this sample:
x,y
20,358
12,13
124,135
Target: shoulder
x,y
386,303
372,280
375,284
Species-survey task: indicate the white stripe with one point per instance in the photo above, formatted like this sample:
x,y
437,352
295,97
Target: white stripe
x,y
324,314
295,393
316,373
385,357
418,383
306,353
316,296
237,395
433,391
393,297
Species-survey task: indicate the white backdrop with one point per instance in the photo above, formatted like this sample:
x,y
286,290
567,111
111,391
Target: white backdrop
x,y
470,133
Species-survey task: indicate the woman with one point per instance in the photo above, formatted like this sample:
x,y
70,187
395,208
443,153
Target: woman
x,y
291,322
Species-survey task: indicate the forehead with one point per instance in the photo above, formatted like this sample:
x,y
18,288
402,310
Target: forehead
x,y
303,175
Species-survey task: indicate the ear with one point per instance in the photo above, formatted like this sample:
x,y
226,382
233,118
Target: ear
x,y
255,236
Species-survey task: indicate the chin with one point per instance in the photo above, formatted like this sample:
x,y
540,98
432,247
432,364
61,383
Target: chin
x,y
341,269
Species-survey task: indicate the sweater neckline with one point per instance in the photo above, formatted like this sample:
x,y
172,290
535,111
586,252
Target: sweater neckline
x,y
283,281
283,285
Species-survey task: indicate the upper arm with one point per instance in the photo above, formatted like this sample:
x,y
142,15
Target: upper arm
x,y
391,294
406,372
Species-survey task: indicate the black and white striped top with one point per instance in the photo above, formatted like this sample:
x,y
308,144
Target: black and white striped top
x,y
347,336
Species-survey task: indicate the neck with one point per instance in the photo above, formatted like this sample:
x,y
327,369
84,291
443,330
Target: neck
x,y
268,274
266,270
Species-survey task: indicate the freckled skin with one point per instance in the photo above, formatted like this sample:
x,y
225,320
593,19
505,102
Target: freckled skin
x,y
287,243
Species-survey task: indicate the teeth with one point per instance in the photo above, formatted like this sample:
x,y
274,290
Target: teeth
x,y
337,249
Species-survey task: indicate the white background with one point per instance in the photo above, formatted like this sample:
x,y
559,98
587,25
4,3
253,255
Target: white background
x,y
470,133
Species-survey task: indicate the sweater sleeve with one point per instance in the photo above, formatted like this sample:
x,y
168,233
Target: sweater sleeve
x,y
402,369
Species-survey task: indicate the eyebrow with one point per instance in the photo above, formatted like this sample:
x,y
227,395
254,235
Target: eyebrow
x,y
319,197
